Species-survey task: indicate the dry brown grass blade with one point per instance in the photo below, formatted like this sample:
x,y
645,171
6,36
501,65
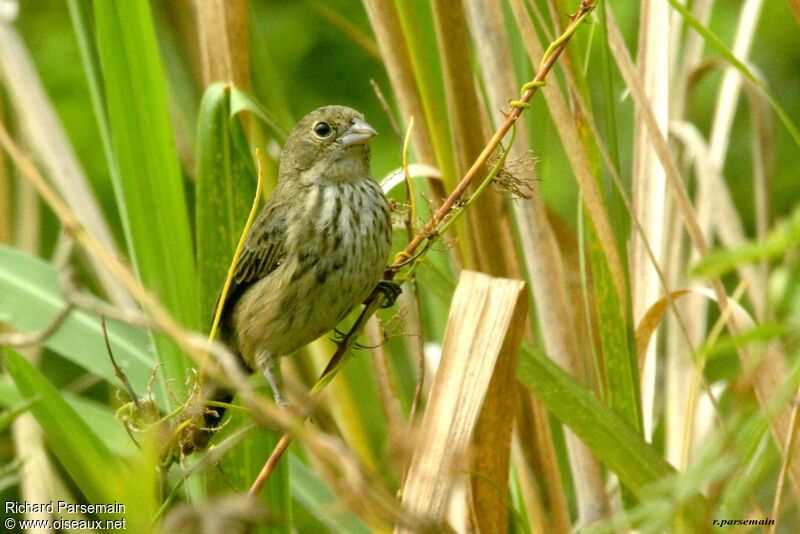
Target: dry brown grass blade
x,y
545,267
37,473
486,323
385,23
771,375
716,212
224,41
795,5
492,249
655,313
728,95
557,47
348,29
713,205
540,478
541,256
791,443
650,321
729,227
692,54
649,183
576,152
491,442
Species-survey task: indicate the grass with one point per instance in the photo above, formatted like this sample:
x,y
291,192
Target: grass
x,y
653,387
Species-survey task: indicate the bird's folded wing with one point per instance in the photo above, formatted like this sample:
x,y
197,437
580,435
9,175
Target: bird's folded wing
x,y
263,251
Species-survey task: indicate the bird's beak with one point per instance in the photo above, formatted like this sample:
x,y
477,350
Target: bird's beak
x,y
359,133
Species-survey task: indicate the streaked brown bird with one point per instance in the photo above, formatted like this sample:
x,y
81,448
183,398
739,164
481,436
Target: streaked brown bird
x,y
317,249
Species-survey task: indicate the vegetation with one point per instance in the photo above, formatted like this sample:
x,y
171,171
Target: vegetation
x,y
645,376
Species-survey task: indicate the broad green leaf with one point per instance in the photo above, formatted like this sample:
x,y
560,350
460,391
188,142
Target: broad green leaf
x,y
619,362
102,477
30,299
637,464
97,416
148,184
241,101
225,188
318,499
784,237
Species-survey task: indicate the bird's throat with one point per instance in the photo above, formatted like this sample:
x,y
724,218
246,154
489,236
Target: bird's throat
x,y
351,165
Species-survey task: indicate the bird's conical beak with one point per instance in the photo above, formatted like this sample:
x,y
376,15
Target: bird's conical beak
x,y
359,133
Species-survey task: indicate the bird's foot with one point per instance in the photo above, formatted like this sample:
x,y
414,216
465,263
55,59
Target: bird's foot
x,y
390,292
272,372
281,403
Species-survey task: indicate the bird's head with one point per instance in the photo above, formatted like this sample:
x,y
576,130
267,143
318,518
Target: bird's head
x,y
330,144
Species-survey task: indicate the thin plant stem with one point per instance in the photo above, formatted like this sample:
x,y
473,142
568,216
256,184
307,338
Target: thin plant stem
x,y
549,60
432,228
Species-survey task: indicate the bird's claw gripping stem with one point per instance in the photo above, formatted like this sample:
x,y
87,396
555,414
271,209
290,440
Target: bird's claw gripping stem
x,y
390,292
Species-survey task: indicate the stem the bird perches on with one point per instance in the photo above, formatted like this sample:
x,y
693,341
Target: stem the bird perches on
x,y
548,61
431,229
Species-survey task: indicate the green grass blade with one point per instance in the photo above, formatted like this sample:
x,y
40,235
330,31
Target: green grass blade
x,y
241,101
620,365
30,299
318,499
149,189
616,207
240,467
78,11
225,189
611,439
719,45
417,23
97,416
101,476
784,237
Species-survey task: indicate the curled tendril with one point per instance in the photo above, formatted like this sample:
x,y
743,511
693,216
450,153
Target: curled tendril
x,y
525,88
586,8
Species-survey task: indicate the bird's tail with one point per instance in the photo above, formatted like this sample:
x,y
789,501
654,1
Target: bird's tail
x,y
213,400
212,415
200,433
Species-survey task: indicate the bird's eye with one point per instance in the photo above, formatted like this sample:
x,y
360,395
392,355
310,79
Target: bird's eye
x,y
322,130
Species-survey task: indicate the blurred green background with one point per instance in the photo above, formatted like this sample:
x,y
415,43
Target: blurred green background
x,y
306,54
302,60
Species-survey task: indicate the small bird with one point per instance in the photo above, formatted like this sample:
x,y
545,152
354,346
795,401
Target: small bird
x,y
317,249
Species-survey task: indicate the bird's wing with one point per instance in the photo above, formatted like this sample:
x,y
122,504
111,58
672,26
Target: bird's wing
x,y
263,251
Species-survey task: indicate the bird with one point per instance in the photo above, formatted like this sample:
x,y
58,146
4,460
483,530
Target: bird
x,y
317,249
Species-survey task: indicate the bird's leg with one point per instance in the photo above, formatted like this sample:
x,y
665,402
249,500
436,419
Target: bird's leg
x,y
272,371
390,292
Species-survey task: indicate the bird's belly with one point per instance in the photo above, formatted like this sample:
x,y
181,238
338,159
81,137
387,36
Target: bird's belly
x,y
329,273
320,298
341,290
